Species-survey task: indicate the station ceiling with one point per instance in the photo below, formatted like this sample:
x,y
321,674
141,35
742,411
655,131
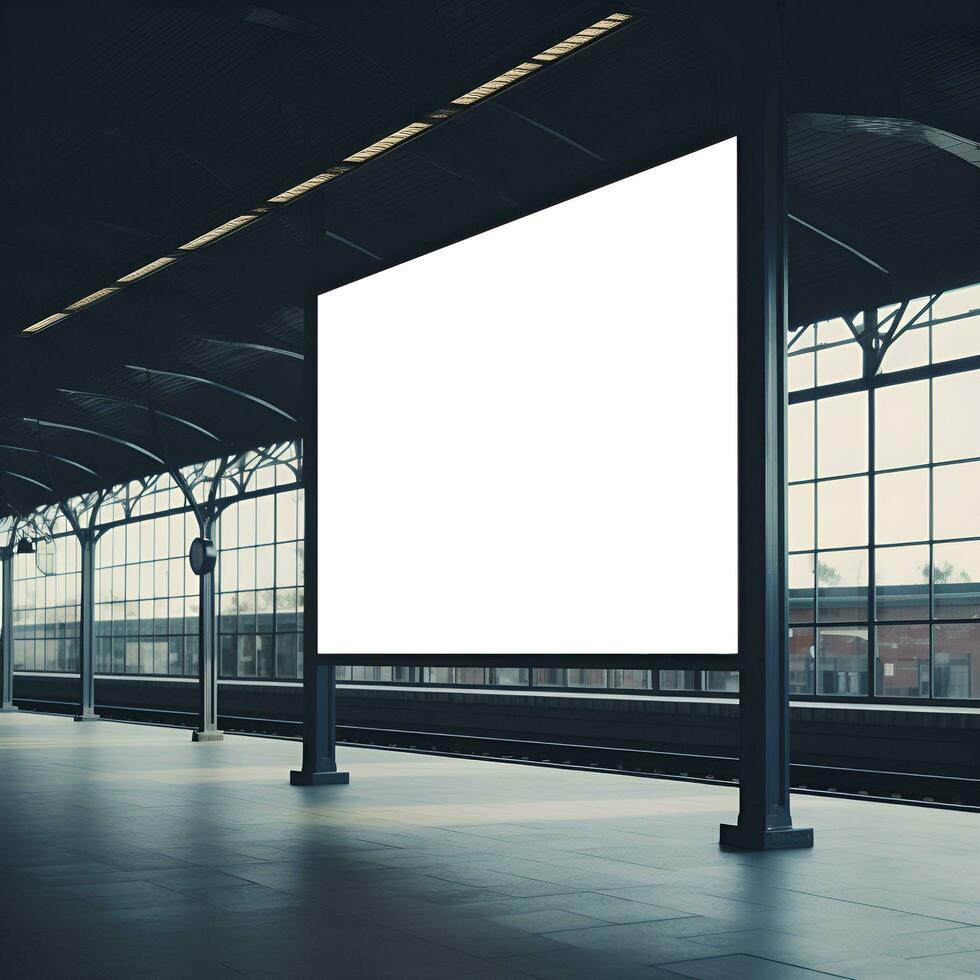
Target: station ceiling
x,y
131,128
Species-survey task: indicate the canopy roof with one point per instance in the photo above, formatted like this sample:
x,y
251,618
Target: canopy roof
x,y
133,127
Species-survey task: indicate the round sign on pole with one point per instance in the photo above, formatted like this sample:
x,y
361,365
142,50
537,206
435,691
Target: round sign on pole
x,y
203,556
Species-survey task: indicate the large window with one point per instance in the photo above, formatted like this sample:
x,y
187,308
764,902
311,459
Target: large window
x,y
45,612
147,598
260,579
146,612
884,522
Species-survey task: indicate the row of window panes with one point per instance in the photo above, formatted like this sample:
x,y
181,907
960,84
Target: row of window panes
x,y
263,520
833,660
263,656
834,513
270,657
151,539
174,656
39,593
267,611
55,654
151,617
546,677
260,567
260,520
829,437
838,581
44,620
161,579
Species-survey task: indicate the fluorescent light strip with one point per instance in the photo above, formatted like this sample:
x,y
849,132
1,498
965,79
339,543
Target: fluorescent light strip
x,y
413,129
487,89
91,298
45,323
308,185
576,41
147,269
219,232
496,84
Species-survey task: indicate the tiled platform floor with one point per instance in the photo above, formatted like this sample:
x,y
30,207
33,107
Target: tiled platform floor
x,y
128,851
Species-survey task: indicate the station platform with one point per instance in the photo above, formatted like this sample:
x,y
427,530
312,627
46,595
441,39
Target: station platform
x,y
129,851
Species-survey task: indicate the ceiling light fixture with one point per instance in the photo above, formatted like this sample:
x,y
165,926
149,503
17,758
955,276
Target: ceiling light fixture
x,y
598,29
560,50
80,304
215,233
412,129
308,185
148,268
496,84
46,322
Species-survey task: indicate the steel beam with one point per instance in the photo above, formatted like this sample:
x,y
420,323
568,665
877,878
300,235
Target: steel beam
x,y
44,424
86,646
7,630
964,148
198,379
61,459
119,399
319,679
247,345
807,218
764,820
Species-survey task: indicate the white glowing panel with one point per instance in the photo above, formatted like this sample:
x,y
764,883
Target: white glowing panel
x,y
527,440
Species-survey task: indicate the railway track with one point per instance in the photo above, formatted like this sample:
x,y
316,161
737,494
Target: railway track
x,y
916,789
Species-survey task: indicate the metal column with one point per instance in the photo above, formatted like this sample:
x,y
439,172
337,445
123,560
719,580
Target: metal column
x,y
319,679
764,820
207,667
7,632
86,646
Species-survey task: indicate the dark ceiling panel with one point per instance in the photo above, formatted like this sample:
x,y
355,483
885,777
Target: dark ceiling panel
x,y
131,126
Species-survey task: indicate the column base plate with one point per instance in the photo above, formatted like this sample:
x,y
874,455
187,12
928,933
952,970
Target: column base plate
x,y
11,707
735,838
299,777
87,718
207,736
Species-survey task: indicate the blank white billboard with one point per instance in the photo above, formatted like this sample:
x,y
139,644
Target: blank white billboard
x,y
527,440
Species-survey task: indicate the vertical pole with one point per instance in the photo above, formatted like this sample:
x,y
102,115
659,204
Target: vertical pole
x,y
870,364
319,679
86,646
7,631
764,820
207,669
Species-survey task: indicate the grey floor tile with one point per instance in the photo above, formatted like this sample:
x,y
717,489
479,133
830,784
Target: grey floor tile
x,y
122,894
546,920
772,944
580,964
884,967
742,966
485,938
609,908
244,896
133,853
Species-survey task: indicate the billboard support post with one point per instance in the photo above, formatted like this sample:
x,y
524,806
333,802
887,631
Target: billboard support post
x,y
319,765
